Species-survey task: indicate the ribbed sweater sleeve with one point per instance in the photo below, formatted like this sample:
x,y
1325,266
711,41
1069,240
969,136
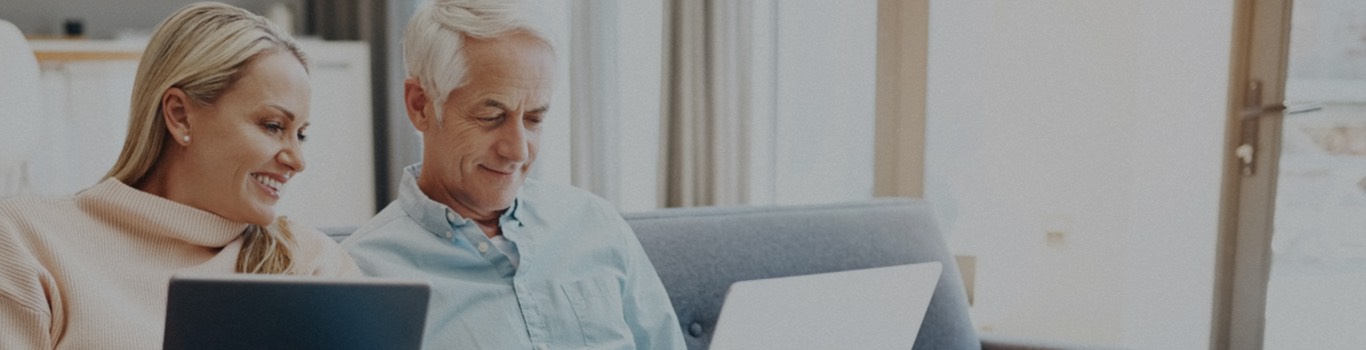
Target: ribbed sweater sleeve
x,y
24,327
25,316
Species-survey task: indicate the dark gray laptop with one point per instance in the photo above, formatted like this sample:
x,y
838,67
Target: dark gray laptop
x,y
294,312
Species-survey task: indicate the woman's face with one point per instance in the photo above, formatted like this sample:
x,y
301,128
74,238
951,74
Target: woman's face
x,y
245,146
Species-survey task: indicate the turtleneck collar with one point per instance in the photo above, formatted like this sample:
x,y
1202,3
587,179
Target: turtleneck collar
x,y
155,216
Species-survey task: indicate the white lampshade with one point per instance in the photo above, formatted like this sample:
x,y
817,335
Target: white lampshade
x,y
20,98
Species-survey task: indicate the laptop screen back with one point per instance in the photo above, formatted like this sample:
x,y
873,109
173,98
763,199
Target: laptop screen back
x,y
878,308
294,312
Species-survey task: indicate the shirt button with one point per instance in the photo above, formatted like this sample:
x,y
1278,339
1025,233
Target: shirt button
x,y
450,216
483,247
695,329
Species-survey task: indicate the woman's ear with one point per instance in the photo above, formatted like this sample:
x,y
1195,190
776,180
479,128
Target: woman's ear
x,y
174,111
419,107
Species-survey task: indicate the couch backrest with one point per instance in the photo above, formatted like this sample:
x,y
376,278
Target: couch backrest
x,y
699,252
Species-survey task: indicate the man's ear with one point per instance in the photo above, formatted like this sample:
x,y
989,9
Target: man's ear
x,y
174,111
421,112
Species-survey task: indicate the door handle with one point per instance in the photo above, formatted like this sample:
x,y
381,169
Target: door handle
x,y
1247,150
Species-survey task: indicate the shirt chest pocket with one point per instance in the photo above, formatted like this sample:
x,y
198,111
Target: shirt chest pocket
x,y
596,304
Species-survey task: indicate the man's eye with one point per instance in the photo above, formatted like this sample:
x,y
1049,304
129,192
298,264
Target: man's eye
x,y
302,137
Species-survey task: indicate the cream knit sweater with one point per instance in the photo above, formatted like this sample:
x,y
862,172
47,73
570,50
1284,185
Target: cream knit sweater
x,y
91,271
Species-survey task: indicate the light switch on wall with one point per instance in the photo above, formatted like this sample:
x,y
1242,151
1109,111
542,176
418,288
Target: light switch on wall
x,y
1056,227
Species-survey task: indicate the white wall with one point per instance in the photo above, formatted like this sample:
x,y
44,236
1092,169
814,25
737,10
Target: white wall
x,y
1101,120
825,84
640,70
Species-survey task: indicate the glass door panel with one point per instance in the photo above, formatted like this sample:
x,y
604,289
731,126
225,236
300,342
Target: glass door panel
x,y
1317,280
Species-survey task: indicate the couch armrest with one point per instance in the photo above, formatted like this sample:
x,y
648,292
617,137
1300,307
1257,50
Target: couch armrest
x,y
1004,342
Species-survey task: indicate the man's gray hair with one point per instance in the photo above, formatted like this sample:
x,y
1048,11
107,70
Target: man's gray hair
x,y
433,45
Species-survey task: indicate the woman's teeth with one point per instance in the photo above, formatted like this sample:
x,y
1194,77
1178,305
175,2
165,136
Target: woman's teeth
x,y
269,182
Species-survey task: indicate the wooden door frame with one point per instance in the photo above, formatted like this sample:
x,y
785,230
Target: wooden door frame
x,y
902,70
1243,260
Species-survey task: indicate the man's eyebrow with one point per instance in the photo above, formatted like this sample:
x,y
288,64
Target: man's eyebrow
x,y
499,105
495,104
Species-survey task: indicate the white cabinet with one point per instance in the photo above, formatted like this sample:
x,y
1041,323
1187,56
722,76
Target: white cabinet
x,y
87,87
86,116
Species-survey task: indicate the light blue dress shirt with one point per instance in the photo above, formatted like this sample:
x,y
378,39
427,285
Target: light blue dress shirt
x,y
577,279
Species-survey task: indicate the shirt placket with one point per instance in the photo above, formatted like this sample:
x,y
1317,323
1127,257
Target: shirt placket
x,y
523,283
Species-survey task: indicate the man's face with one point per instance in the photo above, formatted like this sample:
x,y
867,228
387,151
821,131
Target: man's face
x,y
476,158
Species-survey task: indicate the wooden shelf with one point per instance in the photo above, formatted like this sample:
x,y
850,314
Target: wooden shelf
x,y
68,56
68,50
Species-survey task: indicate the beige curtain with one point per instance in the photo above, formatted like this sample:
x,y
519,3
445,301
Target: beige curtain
x,y
711,94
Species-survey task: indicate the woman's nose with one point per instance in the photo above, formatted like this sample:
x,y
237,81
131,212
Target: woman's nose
x,y
293,157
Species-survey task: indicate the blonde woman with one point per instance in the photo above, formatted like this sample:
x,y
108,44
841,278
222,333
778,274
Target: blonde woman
x,y
219,109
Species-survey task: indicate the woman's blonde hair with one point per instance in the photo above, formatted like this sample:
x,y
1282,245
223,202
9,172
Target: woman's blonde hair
x,y
202,50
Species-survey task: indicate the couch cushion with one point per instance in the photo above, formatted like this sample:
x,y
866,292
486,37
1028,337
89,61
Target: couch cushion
x,y
699,252
338,233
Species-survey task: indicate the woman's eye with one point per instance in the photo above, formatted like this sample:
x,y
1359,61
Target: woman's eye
x,y
302,137
274,127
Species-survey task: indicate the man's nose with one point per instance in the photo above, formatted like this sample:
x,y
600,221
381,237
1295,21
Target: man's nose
x,y
512,142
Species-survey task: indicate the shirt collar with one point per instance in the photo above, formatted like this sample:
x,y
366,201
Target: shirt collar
x,y
435,217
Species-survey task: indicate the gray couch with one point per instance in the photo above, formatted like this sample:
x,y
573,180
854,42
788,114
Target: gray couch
x,y
699,252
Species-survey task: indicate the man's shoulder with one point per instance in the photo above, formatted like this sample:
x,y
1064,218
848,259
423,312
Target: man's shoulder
x,y
551,188
389,221
538,192
556,202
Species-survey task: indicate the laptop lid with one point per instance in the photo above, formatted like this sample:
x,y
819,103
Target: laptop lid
x,y
877,308
247,311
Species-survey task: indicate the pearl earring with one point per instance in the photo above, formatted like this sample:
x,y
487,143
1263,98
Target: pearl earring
x,y
186,138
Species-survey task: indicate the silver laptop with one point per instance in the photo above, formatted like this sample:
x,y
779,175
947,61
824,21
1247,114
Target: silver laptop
x,y
294,312
878,308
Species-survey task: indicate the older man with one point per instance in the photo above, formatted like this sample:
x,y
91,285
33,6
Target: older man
x,y
514,263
